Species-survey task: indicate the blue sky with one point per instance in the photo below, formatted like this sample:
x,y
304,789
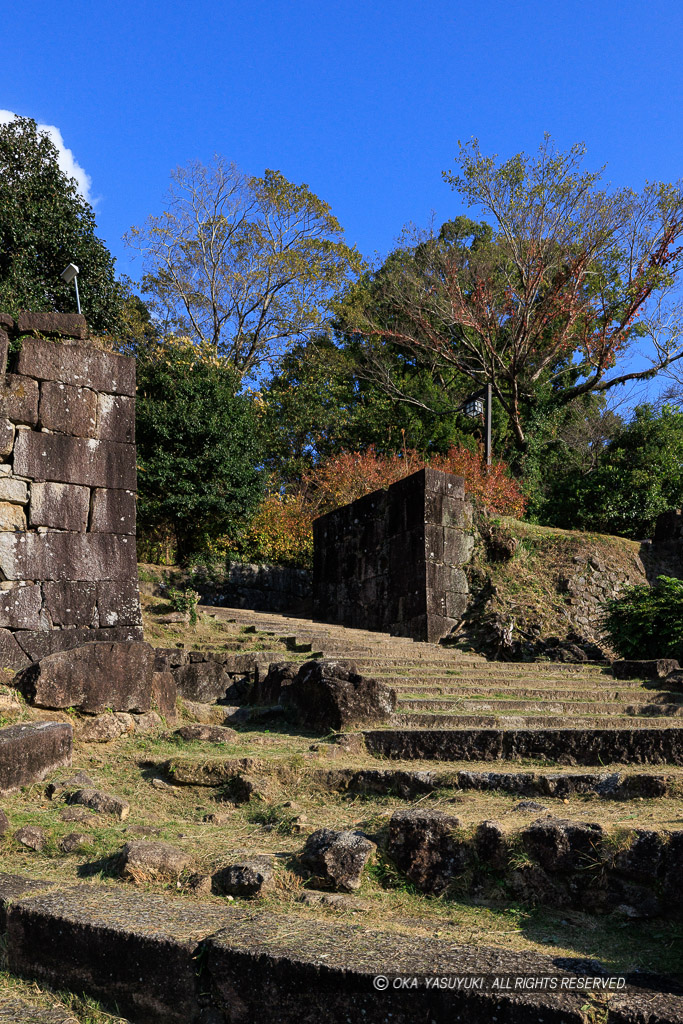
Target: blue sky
x,y
363,101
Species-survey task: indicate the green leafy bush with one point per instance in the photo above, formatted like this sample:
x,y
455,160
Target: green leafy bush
x,y
647,622
185,601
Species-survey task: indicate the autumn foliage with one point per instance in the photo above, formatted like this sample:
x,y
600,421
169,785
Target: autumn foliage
x,y
281,530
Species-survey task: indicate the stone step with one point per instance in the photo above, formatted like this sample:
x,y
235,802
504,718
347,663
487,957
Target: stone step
x,y
583,746
141,951
409,784
429,672
588,721
485,692
497,671
545,706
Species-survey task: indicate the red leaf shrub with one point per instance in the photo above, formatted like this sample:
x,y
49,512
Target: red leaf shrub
x,y
282,529
348,476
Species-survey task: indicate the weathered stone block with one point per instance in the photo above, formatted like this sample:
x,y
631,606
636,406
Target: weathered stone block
x,y
68,409
4,350
118,604
74,460
116,418
29,752
71,604
457,547
92,678
67,556
104,940
13,490
455,604
80,365
658,668
20,607
422,844
434,543
113,511
68,325
61,506
202,681
38,644
328,695
11,654
336,860
247,876
12,517
442,578
20,398
144,861
6,438
165,694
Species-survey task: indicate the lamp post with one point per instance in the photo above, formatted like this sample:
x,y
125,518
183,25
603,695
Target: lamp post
x,y
71,274
478,407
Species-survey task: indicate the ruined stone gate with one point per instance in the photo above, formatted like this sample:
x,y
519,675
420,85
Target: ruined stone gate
x,y
393,560
68,572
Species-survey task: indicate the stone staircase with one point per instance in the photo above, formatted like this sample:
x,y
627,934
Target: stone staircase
x,y
443,690
472,748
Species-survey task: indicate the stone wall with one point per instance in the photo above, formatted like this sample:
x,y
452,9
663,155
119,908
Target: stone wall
x,y
68,571
263,588
393,560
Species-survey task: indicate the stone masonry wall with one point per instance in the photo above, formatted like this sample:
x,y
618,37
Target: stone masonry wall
x,y
68,571
264,588
393,560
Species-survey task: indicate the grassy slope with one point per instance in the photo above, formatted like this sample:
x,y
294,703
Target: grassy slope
x,y
530,588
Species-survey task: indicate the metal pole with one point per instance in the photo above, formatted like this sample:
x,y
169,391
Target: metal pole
x,y
78,298
487,413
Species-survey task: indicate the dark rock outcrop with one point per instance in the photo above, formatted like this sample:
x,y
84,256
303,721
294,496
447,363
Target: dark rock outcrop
x,y
328,695
423,844
246,876
336,859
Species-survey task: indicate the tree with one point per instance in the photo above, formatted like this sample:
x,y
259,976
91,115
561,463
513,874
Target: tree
x,y
320,402
570,275
44,225
639,474
241,263
197,448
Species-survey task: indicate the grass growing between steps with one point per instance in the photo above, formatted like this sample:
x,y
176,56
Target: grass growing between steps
x,y
295,803
75,1009
294,800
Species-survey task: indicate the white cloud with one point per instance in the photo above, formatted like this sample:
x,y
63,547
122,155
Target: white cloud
x,y
66,159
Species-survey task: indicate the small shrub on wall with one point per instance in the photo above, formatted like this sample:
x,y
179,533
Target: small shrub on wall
x,y
647,622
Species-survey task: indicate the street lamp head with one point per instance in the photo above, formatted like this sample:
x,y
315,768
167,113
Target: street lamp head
x,y
474,407
69,273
